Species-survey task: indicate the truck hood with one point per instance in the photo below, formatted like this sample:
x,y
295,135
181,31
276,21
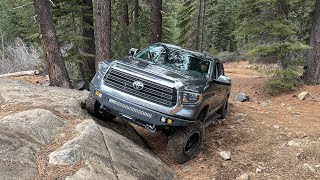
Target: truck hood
x,y
163,72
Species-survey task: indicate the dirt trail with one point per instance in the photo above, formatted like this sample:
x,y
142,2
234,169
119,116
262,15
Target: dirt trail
x,y
269,137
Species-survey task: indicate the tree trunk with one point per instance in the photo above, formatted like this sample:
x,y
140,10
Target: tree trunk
x,y
156,21
136,22
312,74
2,43
198,26
125,13
283,7
57,70
136,12
103,30
125,25
88,47
203,26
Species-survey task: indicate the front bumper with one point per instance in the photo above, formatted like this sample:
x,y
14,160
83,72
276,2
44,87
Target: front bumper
x,y
135,113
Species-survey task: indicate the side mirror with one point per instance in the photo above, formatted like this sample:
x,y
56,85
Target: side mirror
x,y
224,79
133,52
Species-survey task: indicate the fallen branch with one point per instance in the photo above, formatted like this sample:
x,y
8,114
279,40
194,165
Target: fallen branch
x,y
22,6
21,73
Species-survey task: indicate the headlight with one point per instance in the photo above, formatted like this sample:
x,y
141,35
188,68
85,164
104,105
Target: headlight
x,y
103,67
191,98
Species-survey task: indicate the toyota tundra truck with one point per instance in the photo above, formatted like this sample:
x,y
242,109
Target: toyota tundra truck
x,y
163,88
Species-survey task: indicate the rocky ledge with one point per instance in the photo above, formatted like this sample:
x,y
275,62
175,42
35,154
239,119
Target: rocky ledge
x,y
44,134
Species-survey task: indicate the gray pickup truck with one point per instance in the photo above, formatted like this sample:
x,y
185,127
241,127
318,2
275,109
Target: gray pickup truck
x,y
163,87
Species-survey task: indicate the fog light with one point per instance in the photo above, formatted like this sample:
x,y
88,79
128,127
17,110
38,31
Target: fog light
x,y
169,121
98,94
163,119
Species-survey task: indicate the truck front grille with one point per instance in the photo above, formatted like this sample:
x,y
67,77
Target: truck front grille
x,y
152,91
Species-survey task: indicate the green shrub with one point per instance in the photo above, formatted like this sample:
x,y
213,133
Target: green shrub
x,y
213,51
283,80
227,56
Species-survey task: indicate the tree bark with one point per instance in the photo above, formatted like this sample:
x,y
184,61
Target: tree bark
x,y
125,13
103,30
88,47
136,12
156,21
57,70
312,74
136,21
203,26
283,7
2,44
125,24
198,26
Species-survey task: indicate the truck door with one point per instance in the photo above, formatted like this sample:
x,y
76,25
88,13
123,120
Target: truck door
x,y
222,89
216,89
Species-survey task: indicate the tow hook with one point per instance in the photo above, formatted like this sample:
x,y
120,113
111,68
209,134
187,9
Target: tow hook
x,y
151,128
102,109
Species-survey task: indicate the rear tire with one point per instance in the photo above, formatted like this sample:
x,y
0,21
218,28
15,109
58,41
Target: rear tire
x,y
93,106
184,143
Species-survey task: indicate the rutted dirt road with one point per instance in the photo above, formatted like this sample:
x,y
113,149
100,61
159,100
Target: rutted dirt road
x,y
268,137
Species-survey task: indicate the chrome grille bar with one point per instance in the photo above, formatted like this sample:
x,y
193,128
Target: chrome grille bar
x,y
152,91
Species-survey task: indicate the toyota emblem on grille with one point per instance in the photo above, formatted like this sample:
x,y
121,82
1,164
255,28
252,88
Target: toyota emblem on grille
x,y
138,85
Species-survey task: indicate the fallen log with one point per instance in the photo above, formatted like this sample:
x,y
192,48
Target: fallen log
x,y
21,73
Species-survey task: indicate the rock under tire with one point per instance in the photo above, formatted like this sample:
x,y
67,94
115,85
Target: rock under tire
x,y
177,142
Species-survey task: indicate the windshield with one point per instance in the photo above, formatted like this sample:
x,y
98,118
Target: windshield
x,y
178,59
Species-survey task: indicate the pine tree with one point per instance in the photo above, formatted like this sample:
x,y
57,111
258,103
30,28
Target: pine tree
x,y
87,66
156,21
57,71
16,20
270,37
68,22
300,15
170,29
103,30
122,28
188,21
312,74
222,24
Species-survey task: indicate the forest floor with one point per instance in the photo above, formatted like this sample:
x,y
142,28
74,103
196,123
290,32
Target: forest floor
x,y
268,137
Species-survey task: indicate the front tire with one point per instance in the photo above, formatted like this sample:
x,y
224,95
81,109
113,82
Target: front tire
x,y
184,143
93,106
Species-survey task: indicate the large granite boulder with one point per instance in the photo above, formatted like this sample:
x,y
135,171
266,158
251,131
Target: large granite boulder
x,y
44,134
22,135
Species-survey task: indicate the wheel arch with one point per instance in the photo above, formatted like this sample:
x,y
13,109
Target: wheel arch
x,y
203,113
